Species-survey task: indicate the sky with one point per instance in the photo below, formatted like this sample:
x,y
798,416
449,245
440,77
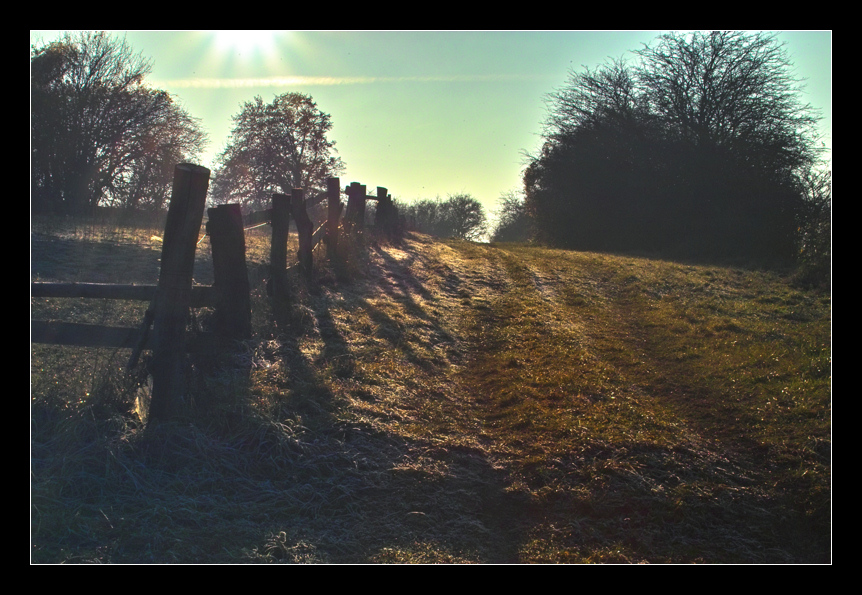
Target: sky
x,y
422,113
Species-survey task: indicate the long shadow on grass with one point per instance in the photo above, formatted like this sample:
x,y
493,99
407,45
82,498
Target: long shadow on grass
x,y
397,281
294,481
61,259
384,497
85,261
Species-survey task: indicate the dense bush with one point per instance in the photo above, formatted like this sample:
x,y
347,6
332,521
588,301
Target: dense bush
x,y
698,150
815,229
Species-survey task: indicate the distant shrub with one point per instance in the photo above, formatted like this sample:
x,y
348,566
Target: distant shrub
x,y
513,221
459,216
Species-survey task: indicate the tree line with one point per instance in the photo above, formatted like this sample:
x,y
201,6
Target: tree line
x,y
457,216
101,136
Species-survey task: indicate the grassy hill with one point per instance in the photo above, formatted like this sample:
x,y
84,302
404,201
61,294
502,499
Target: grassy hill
x,y
451,403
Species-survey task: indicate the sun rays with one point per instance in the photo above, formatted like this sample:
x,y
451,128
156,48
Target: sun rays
x,y
251,44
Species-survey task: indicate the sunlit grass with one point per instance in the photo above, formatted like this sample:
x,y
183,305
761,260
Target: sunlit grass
x,y
666,389
451,403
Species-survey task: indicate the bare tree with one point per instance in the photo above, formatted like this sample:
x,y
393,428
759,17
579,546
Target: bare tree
x,y
733,90
608,94
815,225
466,217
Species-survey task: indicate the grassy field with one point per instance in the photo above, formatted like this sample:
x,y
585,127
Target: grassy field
x,y
444,402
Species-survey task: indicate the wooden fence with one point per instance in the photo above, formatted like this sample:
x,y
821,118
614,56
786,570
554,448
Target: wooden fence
x,y
284,207
163,327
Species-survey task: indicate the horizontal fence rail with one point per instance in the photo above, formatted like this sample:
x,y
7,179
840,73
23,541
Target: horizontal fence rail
x,y
201,295
83,335
76,334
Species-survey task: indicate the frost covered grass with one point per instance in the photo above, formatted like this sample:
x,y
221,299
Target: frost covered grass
x,y
448,402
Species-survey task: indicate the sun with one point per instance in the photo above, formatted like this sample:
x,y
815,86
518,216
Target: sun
x,y
249,44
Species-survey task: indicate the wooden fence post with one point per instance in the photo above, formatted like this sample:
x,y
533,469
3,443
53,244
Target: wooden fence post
x,y
304,229
278,249
333,195
173,297
356,205
233,302
385,218
360,216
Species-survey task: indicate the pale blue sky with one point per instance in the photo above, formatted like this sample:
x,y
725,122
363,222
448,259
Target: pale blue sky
x,y
423,113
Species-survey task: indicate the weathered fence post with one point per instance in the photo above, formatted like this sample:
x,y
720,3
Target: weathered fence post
x,y
360,215
356,204
333,195
385,218
233,301
278,250
304,229
173,297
